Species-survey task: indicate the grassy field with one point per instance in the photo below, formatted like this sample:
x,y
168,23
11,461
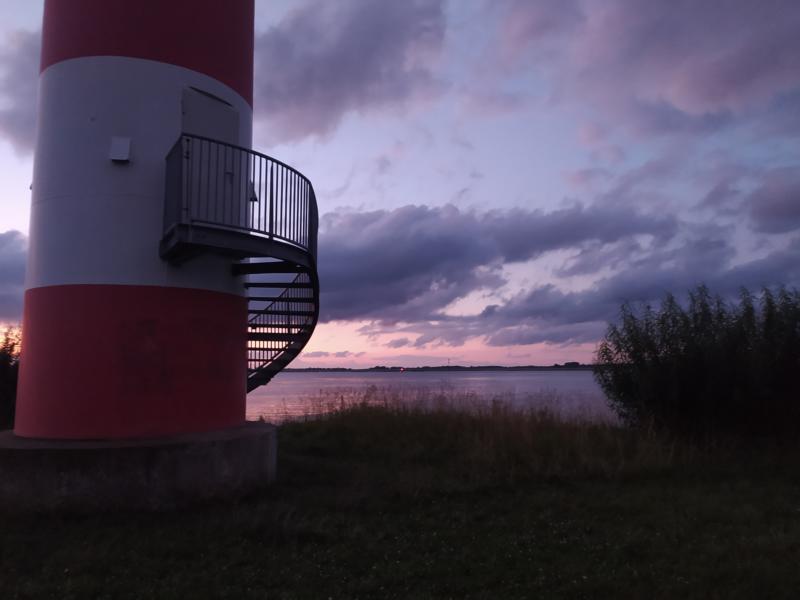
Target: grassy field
x,y
392,502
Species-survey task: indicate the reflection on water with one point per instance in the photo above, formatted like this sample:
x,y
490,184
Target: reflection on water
x,y
293,395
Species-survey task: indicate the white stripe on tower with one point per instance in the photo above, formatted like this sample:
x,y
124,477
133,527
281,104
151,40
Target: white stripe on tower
x,y
119,343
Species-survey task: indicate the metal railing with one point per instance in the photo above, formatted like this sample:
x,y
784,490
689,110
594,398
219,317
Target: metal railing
x,y
223,186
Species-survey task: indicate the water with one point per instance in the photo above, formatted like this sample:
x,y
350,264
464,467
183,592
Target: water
x,y
299,394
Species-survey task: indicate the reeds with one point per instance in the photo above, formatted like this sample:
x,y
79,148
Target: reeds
x,y
466,440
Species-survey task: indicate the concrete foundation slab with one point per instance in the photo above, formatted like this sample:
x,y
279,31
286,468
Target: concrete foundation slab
x,y
150,474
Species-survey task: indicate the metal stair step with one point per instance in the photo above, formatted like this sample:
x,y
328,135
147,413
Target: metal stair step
x,y
278,363
273,366
275,284
280,299
267,267
299,327
295,345
276,325
290,313
270,337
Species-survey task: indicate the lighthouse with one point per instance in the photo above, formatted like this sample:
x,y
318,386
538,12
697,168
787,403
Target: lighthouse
x,y
172,267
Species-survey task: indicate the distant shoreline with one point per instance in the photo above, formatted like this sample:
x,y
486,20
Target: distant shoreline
x,y
455,368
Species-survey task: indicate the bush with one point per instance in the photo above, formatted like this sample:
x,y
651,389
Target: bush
x,y
709,368
9,367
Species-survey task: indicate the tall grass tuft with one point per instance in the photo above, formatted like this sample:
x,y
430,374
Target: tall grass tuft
x,y
707,368
450,441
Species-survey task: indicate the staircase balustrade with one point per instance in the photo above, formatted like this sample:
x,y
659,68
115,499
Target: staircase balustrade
x,y
262,213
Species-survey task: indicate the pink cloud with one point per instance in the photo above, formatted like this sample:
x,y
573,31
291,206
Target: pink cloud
x,y
698,57
664,66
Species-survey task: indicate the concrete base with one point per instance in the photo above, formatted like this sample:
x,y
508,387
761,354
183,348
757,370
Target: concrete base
x,y
151,474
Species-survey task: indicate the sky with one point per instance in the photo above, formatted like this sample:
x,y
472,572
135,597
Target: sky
x,y
495,177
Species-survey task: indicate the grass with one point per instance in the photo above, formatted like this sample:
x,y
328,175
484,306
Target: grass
x,y
383,500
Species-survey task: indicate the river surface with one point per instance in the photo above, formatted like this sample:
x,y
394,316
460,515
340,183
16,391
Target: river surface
x,y
302,394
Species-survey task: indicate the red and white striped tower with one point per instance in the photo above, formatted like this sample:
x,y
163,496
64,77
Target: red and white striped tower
x,y
119,343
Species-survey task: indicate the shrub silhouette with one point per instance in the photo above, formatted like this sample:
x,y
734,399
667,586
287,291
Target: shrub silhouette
x,y
9,367
711,367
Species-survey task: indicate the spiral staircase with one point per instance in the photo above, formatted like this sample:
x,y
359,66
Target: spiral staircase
x,y
261,213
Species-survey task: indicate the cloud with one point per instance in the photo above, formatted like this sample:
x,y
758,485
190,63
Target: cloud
x,y
399,343
663,66
325,60
781,267
19,69
13,250
323,354
411,262
534,26
587,177
347,354
720,196
594,257
568,333
547,314
400,269
775,205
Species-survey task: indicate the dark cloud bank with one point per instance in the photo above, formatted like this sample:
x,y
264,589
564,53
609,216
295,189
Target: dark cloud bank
x,y
409,263
400,269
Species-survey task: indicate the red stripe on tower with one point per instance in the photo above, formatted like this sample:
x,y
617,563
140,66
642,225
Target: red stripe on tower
x,y
214,37
122,361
